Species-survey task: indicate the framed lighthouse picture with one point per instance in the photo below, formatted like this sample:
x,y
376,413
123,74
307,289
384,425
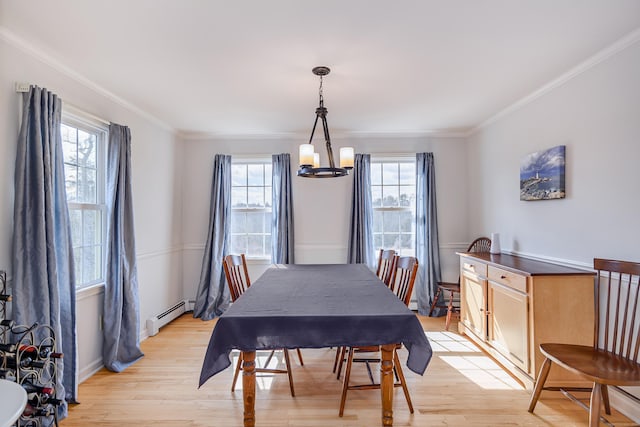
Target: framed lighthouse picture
x,y
542,175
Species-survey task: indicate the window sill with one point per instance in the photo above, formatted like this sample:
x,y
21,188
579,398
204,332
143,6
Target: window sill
x,y
89,291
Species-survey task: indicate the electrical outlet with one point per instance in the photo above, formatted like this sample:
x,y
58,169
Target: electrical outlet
x,y
22,87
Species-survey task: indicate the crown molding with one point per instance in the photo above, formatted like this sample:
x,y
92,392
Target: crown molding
x,y
335,135
618,46
30,49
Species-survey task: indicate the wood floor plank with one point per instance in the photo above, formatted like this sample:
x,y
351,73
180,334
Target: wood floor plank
x,y
461,387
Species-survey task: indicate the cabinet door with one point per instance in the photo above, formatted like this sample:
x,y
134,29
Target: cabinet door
x,y
473,303
507,323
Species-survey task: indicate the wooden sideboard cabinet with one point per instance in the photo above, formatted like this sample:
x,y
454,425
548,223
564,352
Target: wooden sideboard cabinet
x,y
509,305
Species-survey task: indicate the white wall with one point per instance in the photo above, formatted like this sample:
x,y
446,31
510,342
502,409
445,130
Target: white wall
x,y
597,116
322,206
156,184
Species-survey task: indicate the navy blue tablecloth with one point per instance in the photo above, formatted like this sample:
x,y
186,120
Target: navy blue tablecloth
x,y
315,306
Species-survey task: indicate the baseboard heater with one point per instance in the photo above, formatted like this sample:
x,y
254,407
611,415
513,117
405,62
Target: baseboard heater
x,y
156,322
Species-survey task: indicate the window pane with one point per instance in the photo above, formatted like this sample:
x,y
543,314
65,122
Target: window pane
x,y
255,197
255,222
84,183
75,220
71,182
238,244
255,175
408,174
239,197
376,173
391,241
238,175
267,197
377,221
406,241
407,195
90,264
77,258
86,149
390,196
406,221
390,174
394,206
376,196
377,241
256,246
390,222
268,175
87,185
238,222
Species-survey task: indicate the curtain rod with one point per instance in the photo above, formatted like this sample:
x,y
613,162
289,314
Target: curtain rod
x,y
74,110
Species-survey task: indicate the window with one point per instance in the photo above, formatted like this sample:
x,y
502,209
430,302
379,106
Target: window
x,y
83,146
393,193
251,208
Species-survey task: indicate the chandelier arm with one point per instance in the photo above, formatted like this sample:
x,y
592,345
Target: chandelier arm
x,y
327,139
313,130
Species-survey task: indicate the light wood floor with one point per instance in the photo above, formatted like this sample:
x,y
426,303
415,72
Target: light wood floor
x,y
461,387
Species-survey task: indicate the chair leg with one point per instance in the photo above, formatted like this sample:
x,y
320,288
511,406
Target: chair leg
x,y
542,378
300,356
594,405
335,362
235,375
343,351
345,381
435,301
287,361
605,399
266,364
449,311
403,382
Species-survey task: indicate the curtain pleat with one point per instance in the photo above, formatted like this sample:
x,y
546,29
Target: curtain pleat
x,y
44,283
282,242
427,245
121,318
212,298
360,248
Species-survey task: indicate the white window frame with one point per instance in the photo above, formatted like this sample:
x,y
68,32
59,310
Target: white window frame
x,y
396,159
89,124
253,160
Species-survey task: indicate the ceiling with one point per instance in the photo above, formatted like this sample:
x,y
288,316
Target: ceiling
x,y
243,67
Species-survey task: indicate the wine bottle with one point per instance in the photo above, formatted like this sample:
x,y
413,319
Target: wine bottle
x,y
30,387
8,347
25,363
8,374
6,323
40,352
5,297
37,411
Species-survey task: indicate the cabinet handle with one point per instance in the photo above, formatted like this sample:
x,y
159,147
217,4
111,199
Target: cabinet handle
x,y
470,266
503,277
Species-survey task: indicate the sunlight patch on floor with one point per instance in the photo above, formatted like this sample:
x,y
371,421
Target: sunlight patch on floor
x,y
476,367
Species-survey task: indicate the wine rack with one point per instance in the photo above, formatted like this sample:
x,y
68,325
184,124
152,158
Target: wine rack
x,y
29,357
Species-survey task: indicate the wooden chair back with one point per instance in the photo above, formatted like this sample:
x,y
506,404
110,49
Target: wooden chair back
x,y
386,265
404,277
481,244
617,312
235,270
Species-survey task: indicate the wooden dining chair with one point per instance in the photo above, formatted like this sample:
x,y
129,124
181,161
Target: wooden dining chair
x,y
386,265
238,281
481,244
613,358
402,282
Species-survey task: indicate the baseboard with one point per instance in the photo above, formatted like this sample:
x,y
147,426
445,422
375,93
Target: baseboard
x,y
625,404
86,372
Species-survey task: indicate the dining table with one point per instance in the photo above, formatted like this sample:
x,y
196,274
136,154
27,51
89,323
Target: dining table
x,y
316,306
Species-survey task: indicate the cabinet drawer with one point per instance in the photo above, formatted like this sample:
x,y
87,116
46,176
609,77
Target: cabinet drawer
x,y
508,278
474,266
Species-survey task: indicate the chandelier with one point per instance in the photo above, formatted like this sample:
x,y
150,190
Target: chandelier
x,y
310,160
